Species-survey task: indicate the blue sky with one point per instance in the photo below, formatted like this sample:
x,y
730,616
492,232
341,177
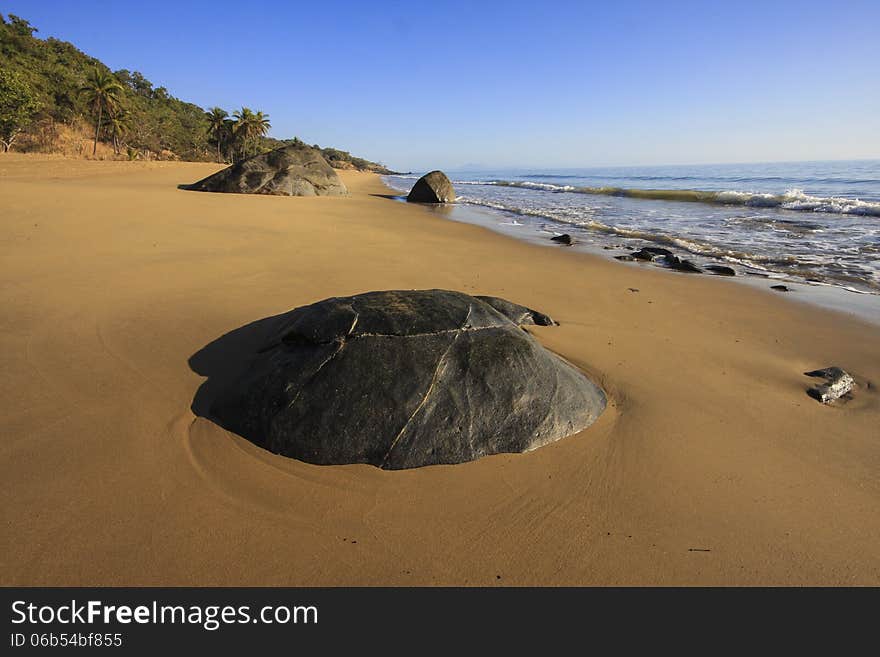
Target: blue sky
x,y
420,85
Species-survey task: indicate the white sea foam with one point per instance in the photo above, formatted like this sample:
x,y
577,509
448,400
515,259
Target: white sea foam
x,y
832,237
796,199
793,199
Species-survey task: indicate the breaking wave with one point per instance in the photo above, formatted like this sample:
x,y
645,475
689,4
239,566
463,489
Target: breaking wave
x,y
793,199
800,266
829,236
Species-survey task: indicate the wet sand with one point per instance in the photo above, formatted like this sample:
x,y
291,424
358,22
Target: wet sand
x,y
710,466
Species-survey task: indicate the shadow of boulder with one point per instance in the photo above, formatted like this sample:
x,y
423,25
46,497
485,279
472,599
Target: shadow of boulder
x,y
225,360
391,197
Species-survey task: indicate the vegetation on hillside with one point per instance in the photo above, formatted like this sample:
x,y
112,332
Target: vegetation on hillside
x,y
48,84
104,95
18,105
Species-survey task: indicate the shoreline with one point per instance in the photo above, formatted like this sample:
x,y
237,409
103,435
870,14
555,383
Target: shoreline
x,y
860,305
823,237
710,466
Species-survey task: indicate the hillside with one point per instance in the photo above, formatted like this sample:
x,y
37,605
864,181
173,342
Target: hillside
x,y
43,108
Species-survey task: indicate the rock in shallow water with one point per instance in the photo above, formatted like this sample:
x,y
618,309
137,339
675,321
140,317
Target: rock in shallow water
x,y
721,270
678,264
294,170
433,187
651,253
403,379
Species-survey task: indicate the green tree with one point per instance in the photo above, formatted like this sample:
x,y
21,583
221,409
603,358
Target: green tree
x,y
261,124
55,70
119,124
243,128
20,26
218,127
104,94
229,139
248,127
18,104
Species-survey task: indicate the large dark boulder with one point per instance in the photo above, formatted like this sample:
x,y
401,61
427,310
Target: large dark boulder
x,y
433,187
403,379
294,170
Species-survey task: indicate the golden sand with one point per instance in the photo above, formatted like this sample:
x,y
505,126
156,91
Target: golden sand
x,y
710,466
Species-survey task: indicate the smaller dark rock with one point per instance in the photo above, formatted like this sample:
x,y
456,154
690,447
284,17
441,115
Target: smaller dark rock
x,y
678,264
433,187
838,383
780,288
652,253
565,239
624,258
721,270
687,266
656,250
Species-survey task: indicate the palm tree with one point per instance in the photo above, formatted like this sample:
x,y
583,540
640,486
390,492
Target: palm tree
x,y
261,124
229,139
103,91
243,128
118,123
217,126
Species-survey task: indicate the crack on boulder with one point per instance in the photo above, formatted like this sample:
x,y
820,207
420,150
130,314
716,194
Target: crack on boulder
x,y
294,338
289,405
434,379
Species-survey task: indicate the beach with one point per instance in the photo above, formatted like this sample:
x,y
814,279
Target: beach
x,y
710,465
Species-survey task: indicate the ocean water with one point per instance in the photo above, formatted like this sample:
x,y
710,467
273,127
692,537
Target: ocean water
x,y
814,223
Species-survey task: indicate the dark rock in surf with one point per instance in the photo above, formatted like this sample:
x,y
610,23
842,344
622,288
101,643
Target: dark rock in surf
x,y
643,255
656,250
433,187
403,379
624,258
780,288
651,253
678,264
721,270
685,266
565,239
838,383
294,170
